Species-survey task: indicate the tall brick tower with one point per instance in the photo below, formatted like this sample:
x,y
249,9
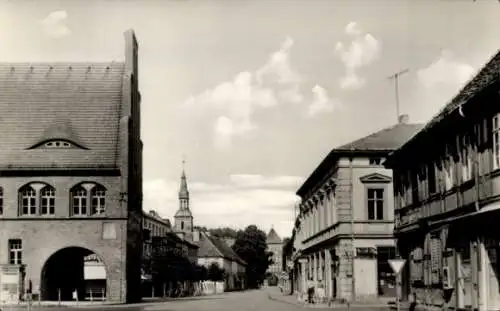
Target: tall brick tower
x,y
71,178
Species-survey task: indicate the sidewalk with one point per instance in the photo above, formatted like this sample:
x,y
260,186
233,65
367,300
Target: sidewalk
x,y
383,304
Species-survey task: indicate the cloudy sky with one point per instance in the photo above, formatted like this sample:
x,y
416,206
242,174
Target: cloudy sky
x,y
255,93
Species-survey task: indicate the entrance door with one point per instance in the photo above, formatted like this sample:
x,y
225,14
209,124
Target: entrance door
x,y
386,279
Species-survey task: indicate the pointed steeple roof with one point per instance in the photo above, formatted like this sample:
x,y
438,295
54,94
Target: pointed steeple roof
x,y
183,190
273,237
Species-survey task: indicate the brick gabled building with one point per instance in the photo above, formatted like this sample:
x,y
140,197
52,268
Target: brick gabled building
x,y
447,192
70,176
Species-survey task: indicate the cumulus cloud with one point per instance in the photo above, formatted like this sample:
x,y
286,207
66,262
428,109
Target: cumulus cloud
x,y
236,100
243,200
321,103
363,50
54,24
445,71
278,68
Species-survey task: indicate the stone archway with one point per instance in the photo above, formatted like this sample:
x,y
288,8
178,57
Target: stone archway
x,y
70,269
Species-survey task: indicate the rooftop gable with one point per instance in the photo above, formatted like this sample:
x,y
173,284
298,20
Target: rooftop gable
x,y
77,102
213,247
273,237
380,142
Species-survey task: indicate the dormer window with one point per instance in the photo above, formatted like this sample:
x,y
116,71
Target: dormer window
x,y
58,144
375,161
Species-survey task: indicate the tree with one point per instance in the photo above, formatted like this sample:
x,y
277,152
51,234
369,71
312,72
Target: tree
x,y
287,251
224,232
215,272
251,246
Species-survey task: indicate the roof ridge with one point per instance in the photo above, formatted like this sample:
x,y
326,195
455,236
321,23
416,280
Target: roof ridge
x,y
209,238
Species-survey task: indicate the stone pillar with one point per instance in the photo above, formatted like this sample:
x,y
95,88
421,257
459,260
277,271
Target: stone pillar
x,y
303,275
327,210
483,278
333,208
328,274
315,275
321,266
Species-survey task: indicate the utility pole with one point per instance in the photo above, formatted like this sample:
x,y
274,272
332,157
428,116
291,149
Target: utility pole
x,y
395,77
353,247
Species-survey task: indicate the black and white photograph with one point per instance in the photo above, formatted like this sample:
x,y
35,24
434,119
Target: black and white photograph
x,y
242,155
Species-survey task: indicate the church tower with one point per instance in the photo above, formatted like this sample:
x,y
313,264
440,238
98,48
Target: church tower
x,y
183,217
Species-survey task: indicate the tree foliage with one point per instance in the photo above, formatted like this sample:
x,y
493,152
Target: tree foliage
x,y
251,246
215,272
287,251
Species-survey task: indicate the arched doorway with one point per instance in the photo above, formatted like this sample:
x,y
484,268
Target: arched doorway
x,y
73,269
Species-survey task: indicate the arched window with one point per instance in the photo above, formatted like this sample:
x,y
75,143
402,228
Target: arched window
x,y
48,200
98,199
28,200
182,225
79,201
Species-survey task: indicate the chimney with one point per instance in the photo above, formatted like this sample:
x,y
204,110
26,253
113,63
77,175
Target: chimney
x,y
196,235
403,119
131,52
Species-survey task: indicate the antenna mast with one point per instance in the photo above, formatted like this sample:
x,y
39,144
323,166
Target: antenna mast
x,y
395,77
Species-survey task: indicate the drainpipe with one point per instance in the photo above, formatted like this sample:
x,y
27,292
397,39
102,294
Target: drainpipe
x,y
353,248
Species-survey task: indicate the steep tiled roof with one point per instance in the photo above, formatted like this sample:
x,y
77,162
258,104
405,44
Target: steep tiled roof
x,y
210,246
79,102
383,141
387,139
273,237
485,77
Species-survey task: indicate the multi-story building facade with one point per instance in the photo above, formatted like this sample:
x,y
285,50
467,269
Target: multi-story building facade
x,y
344,232
275,245
447,190
153,226
70,176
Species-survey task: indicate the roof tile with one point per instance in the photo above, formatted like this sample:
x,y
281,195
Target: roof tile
x,y
35,98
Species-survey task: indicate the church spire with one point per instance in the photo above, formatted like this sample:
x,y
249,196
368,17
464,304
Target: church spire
x,y
183,190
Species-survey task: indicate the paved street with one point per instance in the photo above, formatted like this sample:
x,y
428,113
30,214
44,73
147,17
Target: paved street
x,y
261,300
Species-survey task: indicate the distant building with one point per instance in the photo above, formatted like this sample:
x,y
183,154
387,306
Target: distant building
x,y
344,230
215,250
71,177
183,218
275,245
154,226
447,191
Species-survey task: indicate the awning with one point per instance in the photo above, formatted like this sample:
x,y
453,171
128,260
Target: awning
x,y
493,207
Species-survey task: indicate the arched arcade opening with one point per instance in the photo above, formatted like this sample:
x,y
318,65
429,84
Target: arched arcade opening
x,y
73,273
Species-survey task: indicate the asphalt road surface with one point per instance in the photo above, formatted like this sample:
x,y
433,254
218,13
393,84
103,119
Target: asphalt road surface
x,y
253,300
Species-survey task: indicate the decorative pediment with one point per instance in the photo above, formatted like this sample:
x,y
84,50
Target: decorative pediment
x,y
375,178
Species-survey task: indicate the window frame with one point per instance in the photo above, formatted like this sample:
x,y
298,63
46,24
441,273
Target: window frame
x,y
49,199
15,254
449,172
375,161
495,133
376,200
466,161
98,194
31,200
88,200
1,200
81,198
